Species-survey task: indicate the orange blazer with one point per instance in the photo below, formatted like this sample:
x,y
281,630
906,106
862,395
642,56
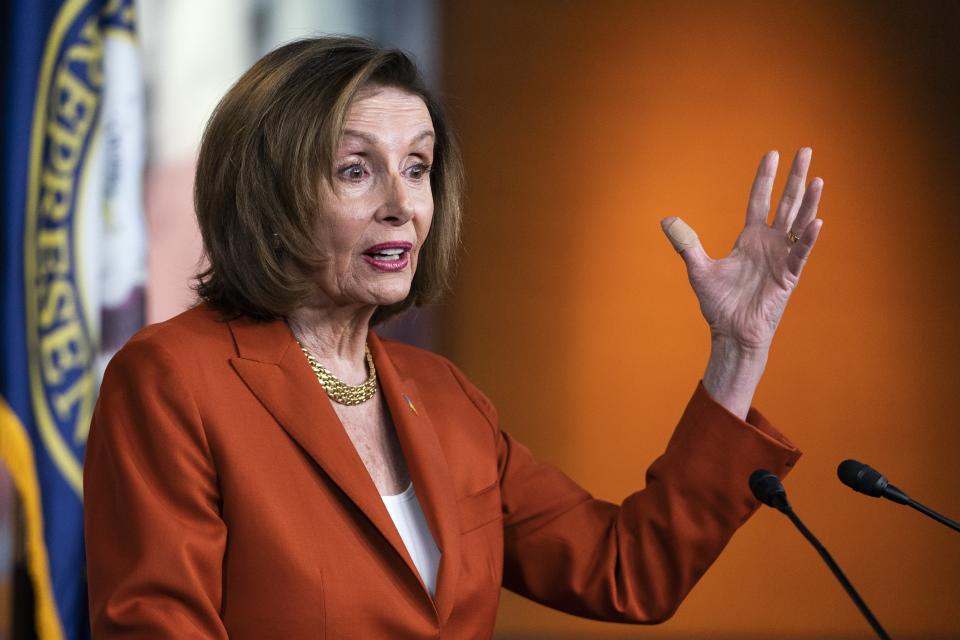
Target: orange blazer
x,y
224,498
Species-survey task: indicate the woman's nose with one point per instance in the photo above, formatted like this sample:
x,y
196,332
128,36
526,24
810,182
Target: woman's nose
x,y
397,207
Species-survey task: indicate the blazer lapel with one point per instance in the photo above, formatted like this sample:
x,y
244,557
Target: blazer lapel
x,y
276,371
428,470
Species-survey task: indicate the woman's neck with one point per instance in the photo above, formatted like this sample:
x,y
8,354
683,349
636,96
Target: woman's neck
x,y
337,338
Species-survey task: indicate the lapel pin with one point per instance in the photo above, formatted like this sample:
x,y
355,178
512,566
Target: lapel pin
x,y
410,404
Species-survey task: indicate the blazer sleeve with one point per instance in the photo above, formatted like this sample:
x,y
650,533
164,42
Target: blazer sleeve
x,y
633,562
154,536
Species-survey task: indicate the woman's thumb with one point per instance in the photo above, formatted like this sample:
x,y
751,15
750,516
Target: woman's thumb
x,y
684,240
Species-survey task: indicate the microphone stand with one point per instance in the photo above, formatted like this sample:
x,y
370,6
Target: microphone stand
x,y
767,488
927,511
785,507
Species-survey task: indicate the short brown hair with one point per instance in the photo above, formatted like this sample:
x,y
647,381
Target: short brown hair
x,y
267,145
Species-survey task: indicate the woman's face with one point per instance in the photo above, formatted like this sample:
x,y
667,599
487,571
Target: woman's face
x,y
376,213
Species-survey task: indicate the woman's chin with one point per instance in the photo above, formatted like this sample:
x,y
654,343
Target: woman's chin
x,y
385,297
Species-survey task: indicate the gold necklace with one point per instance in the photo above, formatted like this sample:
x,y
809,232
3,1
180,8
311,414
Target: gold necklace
x,y
338,390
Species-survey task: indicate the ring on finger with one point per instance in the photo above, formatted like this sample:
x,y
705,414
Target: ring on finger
x,y
792,237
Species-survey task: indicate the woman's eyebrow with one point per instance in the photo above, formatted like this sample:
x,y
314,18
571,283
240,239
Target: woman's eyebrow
x,y
366,137
369,138
426,133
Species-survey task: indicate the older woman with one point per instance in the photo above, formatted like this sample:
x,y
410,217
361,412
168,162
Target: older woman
x,y
265,466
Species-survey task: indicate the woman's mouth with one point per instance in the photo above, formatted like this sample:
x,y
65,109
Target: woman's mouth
x,y
388,256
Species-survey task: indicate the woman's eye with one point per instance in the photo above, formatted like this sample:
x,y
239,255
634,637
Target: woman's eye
x,y
353,172
418,171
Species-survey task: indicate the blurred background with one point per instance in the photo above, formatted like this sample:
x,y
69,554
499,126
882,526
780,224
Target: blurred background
x,y
583,124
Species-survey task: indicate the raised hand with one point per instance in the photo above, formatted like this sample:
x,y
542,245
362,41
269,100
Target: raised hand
x,y
743,296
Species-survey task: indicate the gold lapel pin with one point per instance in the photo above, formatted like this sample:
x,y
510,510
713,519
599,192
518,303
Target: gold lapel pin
x,y
410,404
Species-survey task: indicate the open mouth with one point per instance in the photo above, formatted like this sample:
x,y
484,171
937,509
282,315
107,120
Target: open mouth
x,y
388,256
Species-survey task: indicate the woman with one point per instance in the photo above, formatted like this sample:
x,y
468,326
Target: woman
x,y
264,465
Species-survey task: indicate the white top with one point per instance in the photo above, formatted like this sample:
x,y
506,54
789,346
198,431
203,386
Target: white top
x,y
412,525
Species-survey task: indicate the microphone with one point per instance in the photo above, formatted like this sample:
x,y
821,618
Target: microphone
x,y
865,479
767,488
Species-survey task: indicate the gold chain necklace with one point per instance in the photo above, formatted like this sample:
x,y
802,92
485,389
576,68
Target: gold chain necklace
x,y
338,390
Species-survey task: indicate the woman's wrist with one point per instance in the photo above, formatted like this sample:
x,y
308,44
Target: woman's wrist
x,y
733,373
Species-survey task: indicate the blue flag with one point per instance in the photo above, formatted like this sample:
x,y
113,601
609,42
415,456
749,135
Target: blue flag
x,y
73,265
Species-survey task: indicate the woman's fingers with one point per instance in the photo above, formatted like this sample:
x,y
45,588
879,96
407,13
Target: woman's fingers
x,y
685,241
759,205
808,207
793,191
797,257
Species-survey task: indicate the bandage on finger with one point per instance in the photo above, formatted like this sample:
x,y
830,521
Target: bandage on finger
x,y
681,235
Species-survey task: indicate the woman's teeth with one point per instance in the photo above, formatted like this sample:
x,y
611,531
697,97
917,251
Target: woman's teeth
x,y
388,254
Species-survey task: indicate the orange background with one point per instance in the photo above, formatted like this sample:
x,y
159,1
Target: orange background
x,y
585,123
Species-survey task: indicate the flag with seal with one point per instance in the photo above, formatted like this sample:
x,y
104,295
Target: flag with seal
x,y
73,267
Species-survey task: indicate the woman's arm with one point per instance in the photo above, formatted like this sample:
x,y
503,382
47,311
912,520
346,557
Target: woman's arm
x,y
633,562
155,540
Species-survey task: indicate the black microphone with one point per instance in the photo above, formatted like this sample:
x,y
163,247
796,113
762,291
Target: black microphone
x,y
768,489
864,479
